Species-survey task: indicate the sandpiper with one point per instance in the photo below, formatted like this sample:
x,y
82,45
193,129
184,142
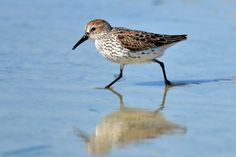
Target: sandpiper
x,y
125,46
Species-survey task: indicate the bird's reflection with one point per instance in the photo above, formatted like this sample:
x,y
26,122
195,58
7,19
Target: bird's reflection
x,y
129,125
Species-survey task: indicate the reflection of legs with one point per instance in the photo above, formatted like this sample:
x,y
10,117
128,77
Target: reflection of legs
x,y
122,106
167,82
163,99
120,75
162,105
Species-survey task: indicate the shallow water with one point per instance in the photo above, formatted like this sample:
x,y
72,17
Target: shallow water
x,y
50,101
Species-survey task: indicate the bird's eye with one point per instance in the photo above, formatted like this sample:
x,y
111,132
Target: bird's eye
x,y
93,29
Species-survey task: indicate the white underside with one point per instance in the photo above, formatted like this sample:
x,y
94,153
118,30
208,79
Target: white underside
x,y
121,55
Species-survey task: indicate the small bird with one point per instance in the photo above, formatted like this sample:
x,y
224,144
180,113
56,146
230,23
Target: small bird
x,y
125,46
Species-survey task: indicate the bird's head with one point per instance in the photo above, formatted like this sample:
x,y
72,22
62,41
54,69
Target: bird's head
x,y
95,29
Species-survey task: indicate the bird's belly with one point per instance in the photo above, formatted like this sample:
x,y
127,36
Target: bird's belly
x,y
120,55
130,57
147,55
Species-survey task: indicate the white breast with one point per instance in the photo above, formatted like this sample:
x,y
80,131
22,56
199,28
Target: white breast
x,y
113,51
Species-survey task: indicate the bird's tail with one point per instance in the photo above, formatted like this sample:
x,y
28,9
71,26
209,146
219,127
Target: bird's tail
x,y
176,38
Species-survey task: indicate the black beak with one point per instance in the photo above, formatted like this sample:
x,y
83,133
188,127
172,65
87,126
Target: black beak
x,y
85,37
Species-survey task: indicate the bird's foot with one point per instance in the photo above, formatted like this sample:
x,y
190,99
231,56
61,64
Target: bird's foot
x,y
108,87
168,83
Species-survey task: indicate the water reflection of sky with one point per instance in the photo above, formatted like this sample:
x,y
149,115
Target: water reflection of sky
x,y
47,90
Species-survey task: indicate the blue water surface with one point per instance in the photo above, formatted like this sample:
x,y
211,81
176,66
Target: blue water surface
x,y
50,104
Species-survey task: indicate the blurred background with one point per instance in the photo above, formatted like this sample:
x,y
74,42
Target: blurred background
x,y
50,104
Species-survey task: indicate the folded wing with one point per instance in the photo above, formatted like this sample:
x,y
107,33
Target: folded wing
x,y
140,40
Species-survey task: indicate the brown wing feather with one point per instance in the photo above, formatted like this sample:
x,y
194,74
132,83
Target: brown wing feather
x,y
139,40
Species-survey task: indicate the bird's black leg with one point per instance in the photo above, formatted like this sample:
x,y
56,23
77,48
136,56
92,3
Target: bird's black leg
x,y
167,82
120,75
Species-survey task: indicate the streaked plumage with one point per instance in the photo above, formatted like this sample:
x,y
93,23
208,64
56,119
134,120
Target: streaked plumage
x,y
126,46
